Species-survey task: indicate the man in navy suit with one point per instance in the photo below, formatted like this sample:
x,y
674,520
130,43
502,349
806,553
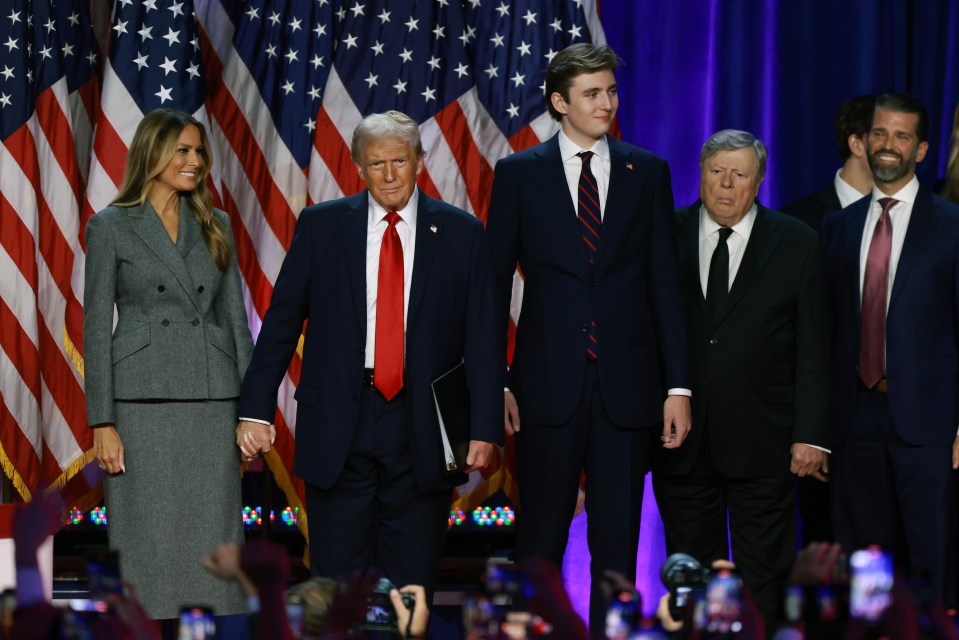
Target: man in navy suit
x,y
601,349
893,272
398,289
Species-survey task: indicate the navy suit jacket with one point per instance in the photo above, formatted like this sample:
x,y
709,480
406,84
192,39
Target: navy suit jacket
x,y
922,323
450,318
633,292
762,367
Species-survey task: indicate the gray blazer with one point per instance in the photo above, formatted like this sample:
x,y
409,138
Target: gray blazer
x,y
182,329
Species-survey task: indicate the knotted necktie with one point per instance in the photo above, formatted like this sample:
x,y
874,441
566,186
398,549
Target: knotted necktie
x,y
388,357
717,282
590,225
875,292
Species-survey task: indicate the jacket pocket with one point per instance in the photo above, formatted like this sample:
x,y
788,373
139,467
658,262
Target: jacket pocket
x,y
222,341
305,394
130,342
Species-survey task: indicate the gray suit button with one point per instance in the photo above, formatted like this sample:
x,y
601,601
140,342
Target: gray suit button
x,y
196,323
165,323
161,288
713,341
199,289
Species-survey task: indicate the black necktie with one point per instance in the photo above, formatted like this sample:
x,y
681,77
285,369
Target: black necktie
x,y
717,283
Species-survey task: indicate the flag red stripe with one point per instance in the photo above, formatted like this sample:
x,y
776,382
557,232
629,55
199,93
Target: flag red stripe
x,y
18,448
106,145
19,349
260,287
335,153
477,173
524,139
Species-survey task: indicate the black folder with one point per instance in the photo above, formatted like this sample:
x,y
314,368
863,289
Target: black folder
x,y
452,398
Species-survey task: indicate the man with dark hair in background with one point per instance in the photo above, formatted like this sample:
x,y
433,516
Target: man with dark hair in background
x,y
853,180
893,281
601,355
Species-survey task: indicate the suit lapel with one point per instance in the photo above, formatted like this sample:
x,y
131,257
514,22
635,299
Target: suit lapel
x,y
763,240
189,233
852,245
688,237
429,229
921,226
622,178
562,213
353,226
150,229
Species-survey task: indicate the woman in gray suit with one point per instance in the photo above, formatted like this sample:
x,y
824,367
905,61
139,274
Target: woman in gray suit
x,y
161,387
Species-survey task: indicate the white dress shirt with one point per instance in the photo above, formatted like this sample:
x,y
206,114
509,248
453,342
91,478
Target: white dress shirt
x,y
709,240
376,225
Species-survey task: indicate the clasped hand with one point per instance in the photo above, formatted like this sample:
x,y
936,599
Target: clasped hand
x,y
254,438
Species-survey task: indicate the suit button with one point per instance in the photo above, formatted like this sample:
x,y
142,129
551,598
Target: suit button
x,y
585,328
165,323
713,341
594,284
196,323
161,288
199,289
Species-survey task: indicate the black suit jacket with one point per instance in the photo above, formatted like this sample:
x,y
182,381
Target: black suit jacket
x,y
451,317
633,293
813,208
761,371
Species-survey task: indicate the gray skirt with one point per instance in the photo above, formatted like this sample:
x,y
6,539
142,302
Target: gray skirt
x,y
179,498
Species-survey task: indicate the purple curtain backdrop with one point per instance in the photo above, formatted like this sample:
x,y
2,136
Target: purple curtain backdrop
x,y
780,70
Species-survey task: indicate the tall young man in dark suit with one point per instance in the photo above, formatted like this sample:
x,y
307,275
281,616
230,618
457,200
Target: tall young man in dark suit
x,y
893,272
754,303
600,340
398,289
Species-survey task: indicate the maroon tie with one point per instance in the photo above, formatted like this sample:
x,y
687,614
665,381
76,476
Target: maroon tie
x,y
875,292
388,357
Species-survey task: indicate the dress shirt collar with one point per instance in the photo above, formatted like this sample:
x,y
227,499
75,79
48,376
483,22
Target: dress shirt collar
x,y
568,149
376,213
907,194
743,228
846,193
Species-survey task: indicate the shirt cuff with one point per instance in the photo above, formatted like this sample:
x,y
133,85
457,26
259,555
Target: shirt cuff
x,y
679,392
242,419
253,604
815,447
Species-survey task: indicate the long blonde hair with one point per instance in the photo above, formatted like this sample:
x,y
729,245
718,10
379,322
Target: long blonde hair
x,y
951,190
153,146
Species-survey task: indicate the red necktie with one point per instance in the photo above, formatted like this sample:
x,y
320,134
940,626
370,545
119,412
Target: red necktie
x,y
875,292
388,357
590,225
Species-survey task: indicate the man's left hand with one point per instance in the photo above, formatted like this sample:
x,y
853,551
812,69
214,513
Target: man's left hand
x,y
480,455
809,461
677,421
955,453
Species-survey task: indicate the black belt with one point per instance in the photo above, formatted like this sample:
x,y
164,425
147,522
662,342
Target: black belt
x,y
368,379
880,387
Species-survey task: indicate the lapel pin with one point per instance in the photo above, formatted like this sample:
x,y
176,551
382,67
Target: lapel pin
x,y
629,165
433,228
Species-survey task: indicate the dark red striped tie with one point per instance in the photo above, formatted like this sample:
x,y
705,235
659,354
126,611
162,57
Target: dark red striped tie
x,y
388,357
590,225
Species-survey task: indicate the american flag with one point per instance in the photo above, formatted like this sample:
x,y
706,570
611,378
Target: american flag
x,y
281,84
49,89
